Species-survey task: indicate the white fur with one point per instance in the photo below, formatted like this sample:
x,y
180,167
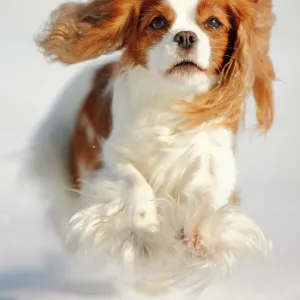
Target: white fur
x,y
156,180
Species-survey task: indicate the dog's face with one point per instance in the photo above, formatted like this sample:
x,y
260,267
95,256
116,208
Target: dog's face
x,y
206,45
183,41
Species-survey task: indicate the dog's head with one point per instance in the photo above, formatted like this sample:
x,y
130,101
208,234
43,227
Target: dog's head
x,y
194,43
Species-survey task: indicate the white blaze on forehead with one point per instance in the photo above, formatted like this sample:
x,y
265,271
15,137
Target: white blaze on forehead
x,y
185,11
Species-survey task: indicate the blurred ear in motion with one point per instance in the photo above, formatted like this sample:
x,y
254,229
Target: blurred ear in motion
x,y
80,31
264,74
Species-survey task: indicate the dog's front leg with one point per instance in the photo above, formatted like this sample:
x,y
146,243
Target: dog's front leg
x,y
138,195
121,217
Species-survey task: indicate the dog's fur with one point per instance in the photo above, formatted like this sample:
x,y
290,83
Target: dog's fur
x,y
139,163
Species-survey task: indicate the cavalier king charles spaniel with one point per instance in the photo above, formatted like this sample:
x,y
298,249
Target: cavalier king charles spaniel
x,y
138,158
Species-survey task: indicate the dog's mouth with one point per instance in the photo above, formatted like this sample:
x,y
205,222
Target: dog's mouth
x,y
186,66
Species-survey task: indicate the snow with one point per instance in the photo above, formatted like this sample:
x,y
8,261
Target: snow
x,y
32,265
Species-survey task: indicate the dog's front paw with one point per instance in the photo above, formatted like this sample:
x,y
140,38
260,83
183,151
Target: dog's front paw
x,y
127,229
145,214
196,243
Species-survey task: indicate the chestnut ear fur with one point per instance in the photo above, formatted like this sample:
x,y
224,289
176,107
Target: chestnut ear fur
x,y
82,31
263,69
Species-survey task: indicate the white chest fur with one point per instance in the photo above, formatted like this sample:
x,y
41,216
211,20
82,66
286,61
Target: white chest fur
x,y
199,161
181,164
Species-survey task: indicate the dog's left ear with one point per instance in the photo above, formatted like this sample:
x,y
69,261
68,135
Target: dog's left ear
x,y
81,31
251,67
263,69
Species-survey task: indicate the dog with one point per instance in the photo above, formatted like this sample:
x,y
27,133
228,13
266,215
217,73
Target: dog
x,y
138,158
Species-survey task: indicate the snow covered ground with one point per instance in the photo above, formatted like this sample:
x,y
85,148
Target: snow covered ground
x,y
32,266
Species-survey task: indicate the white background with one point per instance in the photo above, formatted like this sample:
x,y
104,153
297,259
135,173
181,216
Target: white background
x,y
31,263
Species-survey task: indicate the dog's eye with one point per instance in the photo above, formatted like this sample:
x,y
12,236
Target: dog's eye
x,y
213,23
159,23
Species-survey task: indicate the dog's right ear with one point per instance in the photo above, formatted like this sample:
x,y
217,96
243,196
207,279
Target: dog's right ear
x,y
81,31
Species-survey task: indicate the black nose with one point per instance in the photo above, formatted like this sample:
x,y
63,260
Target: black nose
x,y
185,39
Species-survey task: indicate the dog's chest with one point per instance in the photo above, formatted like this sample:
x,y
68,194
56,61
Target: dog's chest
x,y
198,161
